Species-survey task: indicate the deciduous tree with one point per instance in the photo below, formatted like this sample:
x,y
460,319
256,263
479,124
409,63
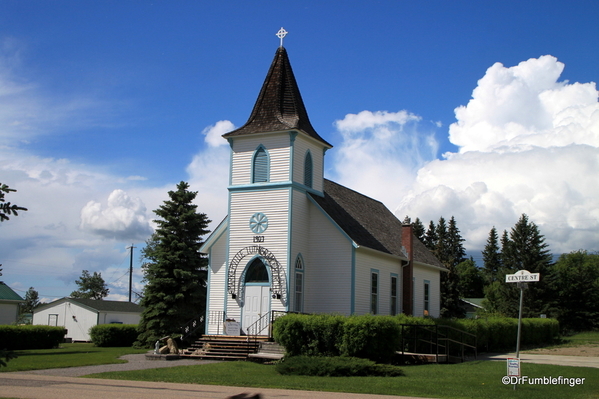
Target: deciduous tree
x,y
90,286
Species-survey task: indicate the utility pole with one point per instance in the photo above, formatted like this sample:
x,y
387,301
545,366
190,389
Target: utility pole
x,y
131,271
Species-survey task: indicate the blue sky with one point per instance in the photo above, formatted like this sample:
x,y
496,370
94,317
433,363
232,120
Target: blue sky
x,y
105,106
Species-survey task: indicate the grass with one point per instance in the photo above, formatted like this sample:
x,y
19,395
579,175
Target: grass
x,y
68,355
584,338
477,379
587,338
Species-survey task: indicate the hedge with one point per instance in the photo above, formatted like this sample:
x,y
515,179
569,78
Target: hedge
x,y
30,337
113,334
378,337
336,367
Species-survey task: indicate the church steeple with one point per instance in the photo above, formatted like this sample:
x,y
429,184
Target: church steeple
x,y
279,105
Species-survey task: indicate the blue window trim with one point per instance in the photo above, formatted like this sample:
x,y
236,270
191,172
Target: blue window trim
x,y
267,166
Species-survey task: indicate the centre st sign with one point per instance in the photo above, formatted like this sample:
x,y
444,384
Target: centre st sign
x,y
522,276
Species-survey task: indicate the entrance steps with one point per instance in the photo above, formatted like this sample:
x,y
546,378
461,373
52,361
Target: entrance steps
x,y
224,347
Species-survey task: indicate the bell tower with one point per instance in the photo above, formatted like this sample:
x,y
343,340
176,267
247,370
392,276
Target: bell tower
x,y
276,158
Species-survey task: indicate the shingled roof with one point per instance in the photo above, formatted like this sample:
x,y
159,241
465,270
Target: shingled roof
x,y
368,222
279,105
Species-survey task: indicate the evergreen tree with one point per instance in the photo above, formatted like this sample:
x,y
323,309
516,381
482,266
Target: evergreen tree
x,y
574,283
441,248
455,248
419,230
492,257
174,269
32,299
90,286
450,280
471,280
6,208
523,249
430,238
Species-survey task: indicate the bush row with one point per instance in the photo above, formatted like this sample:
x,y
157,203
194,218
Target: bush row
x,y
30,337
113,334
336,367
499,333
378,337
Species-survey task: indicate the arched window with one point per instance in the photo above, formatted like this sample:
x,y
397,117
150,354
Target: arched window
x,y
260,166
298,305
308,170
257,272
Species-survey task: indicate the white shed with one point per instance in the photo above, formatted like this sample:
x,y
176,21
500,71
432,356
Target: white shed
x,y
9,304
79,315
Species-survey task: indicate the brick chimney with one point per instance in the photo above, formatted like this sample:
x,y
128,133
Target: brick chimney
x,y
407,242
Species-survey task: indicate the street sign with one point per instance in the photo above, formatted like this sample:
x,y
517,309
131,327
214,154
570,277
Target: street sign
x,y
513,367
522,276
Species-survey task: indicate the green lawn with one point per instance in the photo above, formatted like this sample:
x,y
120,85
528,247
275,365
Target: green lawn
x,y
68,355
477,379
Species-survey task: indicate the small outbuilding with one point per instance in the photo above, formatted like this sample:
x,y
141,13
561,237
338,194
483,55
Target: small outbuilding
x,y
79,315
9,304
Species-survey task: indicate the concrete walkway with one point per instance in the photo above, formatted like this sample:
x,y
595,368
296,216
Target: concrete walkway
x,y
574,361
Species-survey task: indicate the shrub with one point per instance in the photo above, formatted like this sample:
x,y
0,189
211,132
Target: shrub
x,y
311,335
113,334
335,367
30,337
372,337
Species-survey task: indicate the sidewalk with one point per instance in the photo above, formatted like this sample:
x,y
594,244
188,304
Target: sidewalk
x,y
560,360
31,386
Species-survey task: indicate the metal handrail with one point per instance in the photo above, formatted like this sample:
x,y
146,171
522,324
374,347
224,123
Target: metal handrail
x,y
192,326
438,341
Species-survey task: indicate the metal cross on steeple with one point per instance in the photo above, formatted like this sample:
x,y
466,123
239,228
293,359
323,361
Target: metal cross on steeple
x,y
281,34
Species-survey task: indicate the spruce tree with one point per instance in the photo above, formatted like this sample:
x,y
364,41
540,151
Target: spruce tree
x,y
447,250
419,230
491,257
430,238
174,269
523,249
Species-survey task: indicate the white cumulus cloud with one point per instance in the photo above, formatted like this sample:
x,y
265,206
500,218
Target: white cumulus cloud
x,y
123,217
381,152
528,143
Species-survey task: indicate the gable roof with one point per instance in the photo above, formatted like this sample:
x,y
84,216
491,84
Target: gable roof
x,y
369,222
279,106
99,305
7,294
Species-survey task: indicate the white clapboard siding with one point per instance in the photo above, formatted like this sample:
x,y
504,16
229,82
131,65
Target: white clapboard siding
x,y
278,149
422,273
275,205
366,261
218,280
300,239
301,146
328,281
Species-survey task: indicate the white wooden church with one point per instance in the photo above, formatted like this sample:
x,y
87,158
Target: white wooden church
x,y
295,241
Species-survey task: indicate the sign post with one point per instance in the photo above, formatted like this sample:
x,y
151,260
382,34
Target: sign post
x,y
522,278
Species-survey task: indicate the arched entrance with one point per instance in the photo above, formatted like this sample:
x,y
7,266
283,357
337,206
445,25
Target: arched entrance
x,y
257,293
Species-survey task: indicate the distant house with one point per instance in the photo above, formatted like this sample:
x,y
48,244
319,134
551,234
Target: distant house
x,y
79,315
471,306
9,304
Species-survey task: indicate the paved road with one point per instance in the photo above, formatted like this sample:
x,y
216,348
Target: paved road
x,y
64,384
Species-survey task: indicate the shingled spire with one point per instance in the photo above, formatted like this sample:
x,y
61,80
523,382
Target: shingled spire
x,y
279,105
